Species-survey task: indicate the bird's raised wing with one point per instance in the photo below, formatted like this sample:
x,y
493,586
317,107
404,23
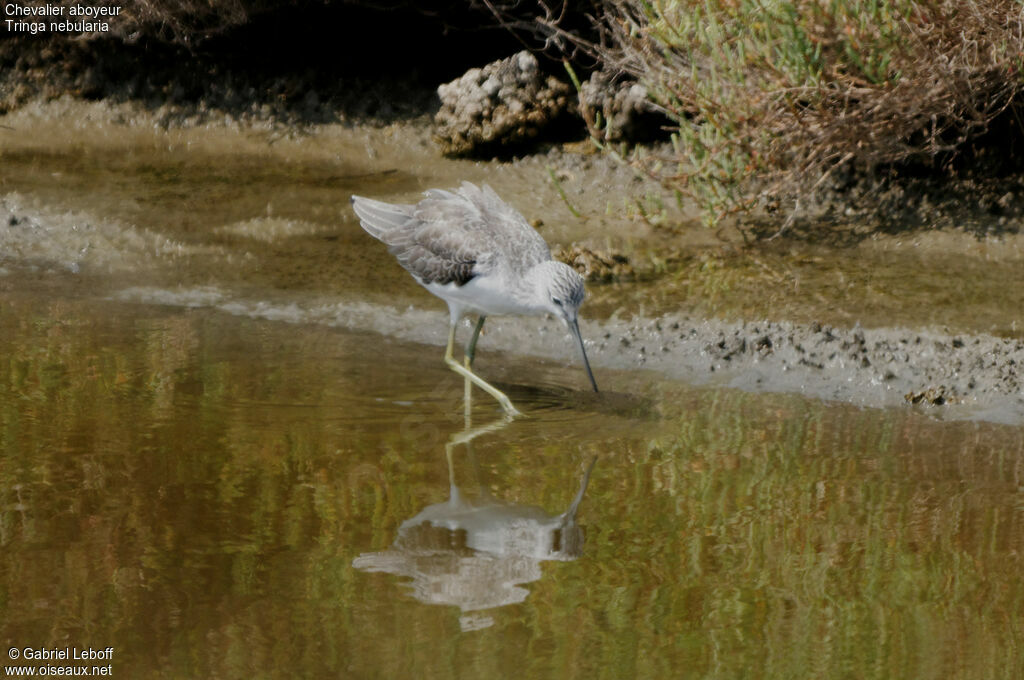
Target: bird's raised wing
x,y
450,237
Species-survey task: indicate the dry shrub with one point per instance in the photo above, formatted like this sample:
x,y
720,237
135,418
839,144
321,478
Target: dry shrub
x,y
778,94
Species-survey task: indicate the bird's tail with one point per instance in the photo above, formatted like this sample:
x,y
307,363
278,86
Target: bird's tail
x,y
381,219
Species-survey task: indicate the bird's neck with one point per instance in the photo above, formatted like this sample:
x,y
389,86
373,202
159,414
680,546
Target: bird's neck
x,y
531,290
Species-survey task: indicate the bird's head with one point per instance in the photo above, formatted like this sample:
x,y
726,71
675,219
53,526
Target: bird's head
x,y
561,293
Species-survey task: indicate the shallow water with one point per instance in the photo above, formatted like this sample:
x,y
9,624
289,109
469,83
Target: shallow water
x,y
261,213
216,456
196,489
874,286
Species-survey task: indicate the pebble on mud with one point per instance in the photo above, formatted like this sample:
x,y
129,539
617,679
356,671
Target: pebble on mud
x,y
936,396
595,265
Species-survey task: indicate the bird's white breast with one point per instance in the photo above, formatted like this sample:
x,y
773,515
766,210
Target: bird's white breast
x,y
487,295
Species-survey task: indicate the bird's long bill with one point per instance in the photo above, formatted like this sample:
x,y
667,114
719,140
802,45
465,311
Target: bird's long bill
x,y
575,328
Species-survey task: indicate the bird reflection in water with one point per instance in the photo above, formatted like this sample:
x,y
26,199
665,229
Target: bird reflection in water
x,y
477,553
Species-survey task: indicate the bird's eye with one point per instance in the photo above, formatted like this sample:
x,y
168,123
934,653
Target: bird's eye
x,y
557,301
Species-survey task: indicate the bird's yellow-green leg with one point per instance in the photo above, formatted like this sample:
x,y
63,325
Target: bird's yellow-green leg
x,y
470,354
468,362
477,380
471,347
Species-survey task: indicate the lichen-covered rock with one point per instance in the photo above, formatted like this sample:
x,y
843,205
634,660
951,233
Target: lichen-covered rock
x,y
506,104
626,113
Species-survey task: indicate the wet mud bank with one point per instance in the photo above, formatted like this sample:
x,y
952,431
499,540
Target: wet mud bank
x,y
255,222
965,376
962,376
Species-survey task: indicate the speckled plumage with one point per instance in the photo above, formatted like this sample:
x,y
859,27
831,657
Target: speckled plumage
x,y
450,237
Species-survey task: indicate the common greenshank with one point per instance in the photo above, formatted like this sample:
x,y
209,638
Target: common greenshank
x,y
478,254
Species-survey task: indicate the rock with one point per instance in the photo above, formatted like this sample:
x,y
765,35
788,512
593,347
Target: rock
x,y
626,113
936,396
506,104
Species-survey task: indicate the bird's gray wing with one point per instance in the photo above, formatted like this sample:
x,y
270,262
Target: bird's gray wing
x,y
521,243
382,220
450,237
432,250
479,222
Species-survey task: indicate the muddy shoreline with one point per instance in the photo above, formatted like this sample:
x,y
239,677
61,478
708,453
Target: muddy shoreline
x,y
960,373
964,376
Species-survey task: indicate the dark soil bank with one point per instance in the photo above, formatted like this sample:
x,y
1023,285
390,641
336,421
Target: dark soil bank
x,y
310,64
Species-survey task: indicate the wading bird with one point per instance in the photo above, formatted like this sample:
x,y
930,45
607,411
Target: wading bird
x,y
478,254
